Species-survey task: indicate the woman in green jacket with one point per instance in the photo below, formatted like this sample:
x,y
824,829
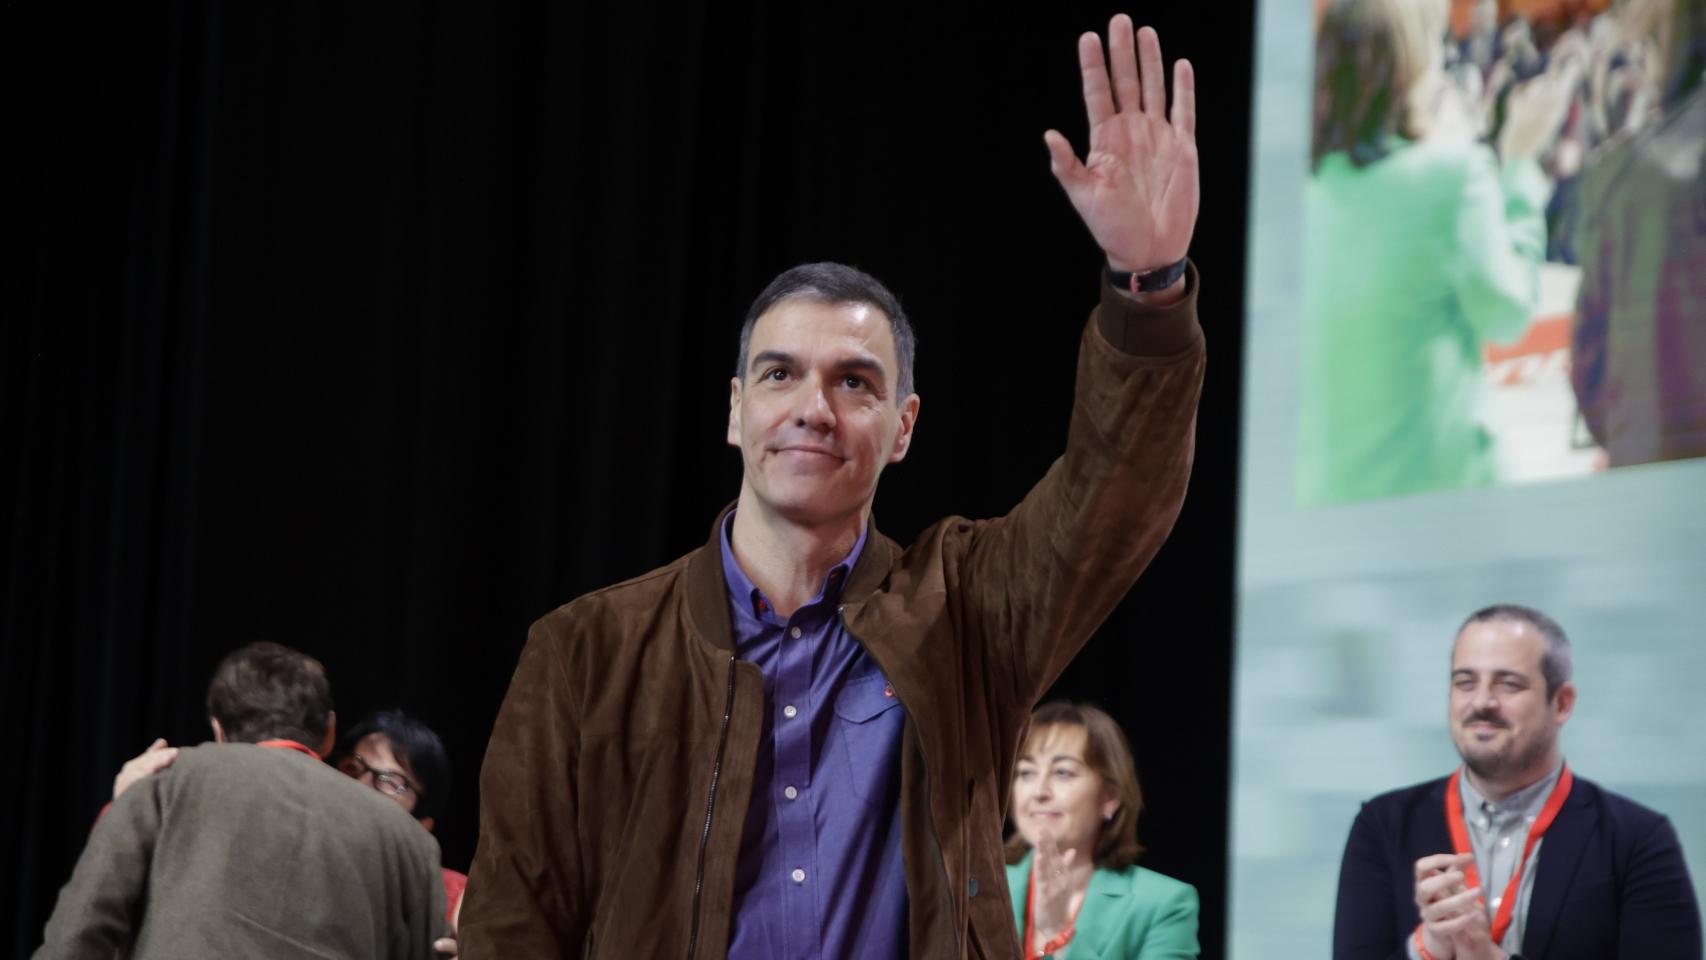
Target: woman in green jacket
x,y
1421,246
1078,892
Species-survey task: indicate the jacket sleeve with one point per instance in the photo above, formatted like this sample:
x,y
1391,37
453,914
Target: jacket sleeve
x,y
1363,922
1500,244
426,918
100,908
1658,915
527,895
1040,580
1172,934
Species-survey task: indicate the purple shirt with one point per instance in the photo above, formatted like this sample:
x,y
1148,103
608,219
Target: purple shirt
x,y
820,871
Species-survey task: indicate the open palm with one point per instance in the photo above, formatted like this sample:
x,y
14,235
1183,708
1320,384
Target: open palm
x,y
1137,190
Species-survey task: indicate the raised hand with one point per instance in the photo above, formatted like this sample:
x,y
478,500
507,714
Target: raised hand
x,y
1137,189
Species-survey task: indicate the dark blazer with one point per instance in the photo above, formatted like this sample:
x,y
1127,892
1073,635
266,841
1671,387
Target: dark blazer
x,y
1611,880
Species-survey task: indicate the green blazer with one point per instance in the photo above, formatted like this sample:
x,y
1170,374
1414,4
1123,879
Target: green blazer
x,y
1130,914
1412,265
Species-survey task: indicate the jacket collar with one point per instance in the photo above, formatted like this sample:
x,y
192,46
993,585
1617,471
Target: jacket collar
x,y
1555,871
708,594
1099,918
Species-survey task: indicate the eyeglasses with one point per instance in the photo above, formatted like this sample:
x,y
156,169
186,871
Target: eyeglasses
x,y
392,783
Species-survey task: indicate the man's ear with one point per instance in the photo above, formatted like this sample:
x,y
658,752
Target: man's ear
x,y
903,436
427,822
330,740
218,731
1563,702
734,412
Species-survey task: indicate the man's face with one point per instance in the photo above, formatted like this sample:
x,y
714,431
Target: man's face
x,y
1501,720
814,413
373,763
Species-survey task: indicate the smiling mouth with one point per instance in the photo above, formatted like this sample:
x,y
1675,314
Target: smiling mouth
x,y
809,452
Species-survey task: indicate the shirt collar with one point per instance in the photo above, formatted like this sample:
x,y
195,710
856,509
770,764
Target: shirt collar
x,y
1525,802
747,597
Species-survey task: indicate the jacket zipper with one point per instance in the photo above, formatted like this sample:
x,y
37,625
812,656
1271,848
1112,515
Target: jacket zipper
x,y
929,807
710,806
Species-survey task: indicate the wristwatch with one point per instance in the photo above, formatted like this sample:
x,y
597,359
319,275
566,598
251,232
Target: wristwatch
x,y
1149,281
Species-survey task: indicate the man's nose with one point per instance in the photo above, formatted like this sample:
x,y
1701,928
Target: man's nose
x,y
815,410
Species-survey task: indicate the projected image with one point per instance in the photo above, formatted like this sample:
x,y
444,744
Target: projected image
x,y
1504,258
1465,322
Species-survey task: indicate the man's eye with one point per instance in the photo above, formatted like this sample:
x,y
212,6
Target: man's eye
x,y
856,382
776,373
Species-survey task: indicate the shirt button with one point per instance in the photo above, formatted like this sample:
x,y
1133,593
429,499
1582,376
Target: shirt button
x,y
789,711
1495,901
795,633
798,875
790,792
1504,841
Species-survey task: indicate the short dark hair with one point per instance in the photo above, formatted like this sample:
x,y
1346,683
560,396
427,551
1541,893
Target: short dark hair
x,y
1555,658
1106,752
835,283
267,691
415,742
1369,57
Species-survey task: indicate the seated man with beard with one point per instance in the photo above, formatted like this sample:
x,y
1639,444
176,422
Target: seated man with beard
x,y
1512,854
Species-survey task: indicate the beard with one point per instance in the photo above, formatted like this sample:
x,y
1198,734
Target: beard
x,y
1515,759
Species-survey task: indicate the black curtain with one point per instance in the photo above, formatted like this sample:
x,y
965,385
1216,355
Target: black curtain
x,y
380,330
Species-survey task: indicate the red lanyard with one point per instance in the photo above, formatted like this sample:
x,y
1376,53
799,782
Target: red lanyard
x,y
1060,939
1460,842
288,745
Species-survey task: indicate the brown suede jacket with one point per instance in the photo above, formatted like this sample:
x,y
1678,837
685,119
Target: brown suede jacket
x,y
616,783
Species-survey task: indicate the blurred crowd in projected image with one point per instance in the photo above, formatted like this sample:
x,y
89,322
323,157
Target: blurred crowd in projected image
x,y
1505,268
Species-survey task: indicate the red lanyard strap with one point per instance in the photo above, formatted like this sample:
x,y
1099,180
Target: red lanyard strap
x,y
1460,842
288,745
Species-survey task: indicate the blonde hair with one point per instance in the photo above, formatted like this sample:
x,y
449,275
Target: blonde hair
x,y
1372,62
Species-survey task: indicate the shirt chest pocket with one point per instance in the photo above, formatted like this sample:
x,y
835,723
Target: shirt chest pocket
x,y
868,722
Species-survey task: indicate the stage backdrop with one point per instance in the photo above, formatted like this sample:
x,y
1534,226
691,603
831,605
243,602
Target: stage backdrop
x,y
384,329
1349,594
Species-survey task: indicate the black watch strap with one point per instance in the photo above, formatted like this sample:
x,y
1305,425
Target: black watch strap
x,y
1149,281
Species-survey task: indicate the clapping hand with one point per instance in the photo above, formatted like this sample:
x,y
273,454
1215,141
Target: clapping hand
x,y
1454,914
